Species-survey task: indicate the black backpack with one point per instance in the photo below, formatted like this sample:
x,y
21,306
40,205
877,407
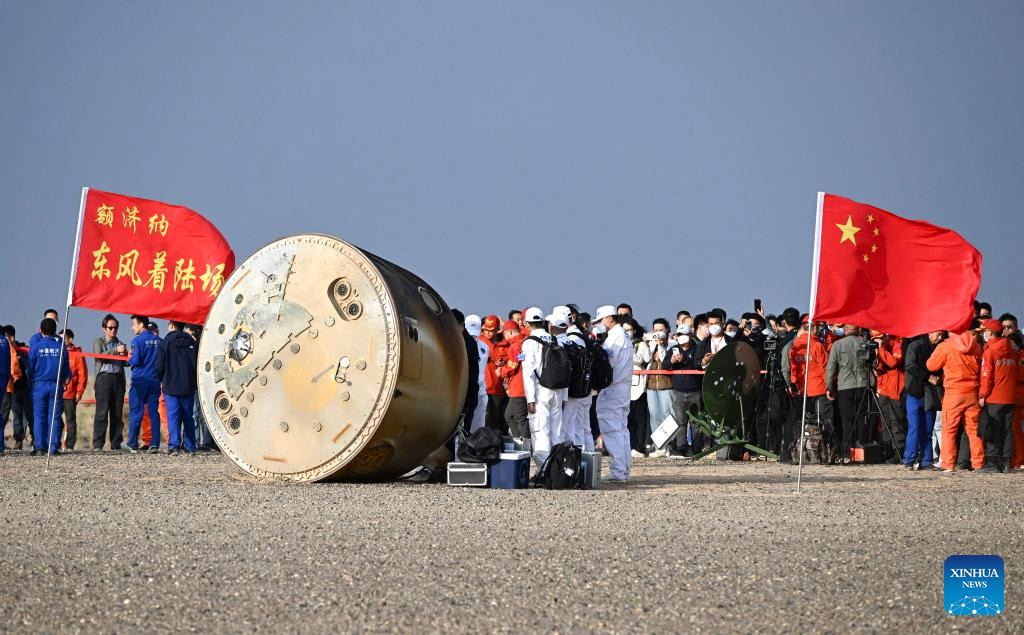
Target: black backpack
x,y
555,364
582,359
600,366
481,446
563,468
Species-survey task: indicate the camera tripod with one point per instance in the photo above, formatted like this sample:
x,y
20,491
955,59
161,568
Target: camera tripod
x,y
864,404
772,373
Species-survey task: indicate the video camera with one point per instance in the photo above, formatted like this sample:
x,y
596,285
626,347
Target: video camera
x,y
867,351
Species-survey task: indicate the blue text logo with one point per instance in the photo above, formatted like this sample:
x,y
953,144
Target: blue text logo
x,y
973,585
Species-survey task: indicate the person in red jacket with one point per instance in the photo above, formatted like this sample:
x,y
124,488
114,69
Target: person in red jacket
x,y
959,357
996,395
511,373
812,364
74,389
497,398
1018,414
889,379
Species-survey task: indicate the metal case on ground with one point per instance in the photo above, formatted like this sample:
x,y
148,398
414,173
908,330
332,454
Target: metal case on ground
x,y
591,464
467,474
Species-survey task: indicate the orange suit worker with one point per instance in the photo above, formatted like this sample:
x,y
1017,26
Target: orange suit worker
x,y
996,394
1018,414
959,357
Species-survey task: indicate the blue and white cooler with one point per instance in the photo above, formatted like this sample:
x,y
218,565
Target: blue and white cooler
x,y
512,471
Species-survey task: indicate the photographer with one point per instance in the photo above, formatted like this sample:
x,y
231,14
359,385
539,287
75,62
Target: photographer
x,y
659,387
889,386
685,391
848,378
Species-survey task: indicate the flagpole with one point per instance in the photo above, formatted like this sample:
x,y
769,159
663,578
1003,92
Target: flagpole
x,y
816,261
57,393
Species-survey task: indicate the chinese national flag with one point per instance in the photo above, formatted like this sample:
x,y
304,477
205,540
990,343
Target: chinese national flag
x,y
148,258
902,277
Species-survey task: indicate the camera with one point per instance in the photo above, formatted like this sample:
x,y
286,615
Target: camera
x,y
867,351
770,343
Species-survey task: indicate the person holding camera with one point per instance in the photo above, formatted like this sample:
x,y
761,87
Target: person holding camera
x,y
685,391
848,379
889,380
653,351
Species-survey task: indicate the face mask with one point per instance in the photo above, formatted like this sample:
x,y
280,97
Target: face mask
x,y
731,333
683,340
715,329
686,329
986,336
599,329
840,331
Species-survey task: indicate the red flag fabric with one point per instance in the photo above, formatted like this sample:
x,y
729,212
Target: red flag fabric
x,y
149,258
881,271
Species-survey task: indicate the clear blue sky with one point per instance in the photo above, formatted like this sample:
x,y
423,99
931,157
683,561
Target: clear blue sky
x,y
513,153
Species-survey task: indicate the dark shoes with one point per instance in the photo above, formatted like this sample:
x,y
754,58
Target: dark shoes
x,y
152,450
36,452
988,469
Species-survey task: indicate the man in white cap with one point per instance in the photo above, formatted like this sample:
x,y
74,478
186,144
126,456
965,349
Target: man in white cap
x,y
543,405
576,413
613,401
473,326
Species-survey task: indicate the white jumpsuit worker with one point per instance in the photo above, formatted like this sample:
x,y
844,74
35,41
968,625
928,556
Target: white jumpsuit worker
x,y
473,325
547,402
577,411
613,401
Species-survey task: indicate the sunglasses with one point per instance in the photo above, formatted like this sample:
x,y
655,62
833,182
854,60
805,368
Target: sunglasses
x,y
110,328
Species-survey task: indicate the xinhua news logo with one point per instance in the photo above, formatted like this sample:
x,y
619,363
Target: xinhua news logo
x,y
973,585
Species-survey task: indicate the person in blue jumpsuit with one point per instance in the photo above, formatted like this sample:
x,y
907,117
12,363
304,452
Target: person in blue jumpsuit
x,y
176,361
47,367
145,388
5,376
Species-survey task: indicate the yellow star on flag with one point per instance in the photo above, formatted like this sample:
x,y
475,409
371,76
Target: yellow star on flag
x,y
871,218
874,248
849,231
865,257
876,231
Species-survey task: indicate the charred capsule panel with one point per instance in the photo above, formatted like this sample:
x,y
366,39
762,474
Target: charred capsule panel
x,y
322,361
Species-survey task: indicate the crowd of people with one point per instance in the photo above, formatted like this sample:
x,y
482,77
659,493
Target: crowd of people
x,y
941,401
46,382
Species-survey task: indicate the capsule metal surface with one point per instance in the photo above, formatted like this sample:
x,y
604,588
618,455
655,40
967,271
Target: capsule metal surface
x,y
320,361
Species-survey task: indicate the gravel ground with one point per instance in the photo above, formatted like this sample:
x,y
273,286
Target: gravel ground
x,y
116,543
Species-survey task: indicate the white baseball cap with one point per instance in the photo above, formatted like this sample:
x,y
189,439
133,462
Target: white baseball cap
x,y
558,320
473,324
604,311
561,310
533,314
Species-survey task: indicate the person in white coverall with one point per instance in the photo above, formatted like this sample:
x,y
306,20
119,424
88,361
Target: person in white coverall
x,y
543,405
473,324
613,401
576,413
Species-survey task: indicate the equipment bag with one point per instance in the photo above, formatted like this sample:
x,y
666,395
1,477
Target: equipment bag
x,y
582,359
600,366
562,469
555,364
483,446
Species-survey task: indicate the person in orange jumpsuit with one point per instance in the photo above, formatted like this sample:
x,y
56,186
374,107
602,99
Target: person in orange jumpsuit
x,y
959,357
996,395
889,380
497,399
74,390
1018,414
511,373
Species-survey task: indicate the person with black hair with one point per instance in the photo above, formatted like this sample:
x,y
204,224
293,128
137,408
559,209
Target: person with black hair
x,y
48,313
716,339
75,389
49,370
108,387
654,351
983,311
1010,329
144,393
176,361
625,311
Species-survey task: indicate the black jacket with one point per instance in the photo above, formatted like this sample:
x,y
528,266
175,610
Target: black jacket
x,y
176,359
704,347
683,383
917,373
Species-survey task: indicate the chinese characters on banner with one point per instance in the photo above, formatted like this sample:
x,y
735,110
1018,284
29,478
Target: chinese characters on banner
x,y
148,258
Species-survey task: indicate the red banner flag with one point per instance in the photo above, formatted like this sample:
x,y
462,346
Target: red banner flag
x,y
877,270
145,257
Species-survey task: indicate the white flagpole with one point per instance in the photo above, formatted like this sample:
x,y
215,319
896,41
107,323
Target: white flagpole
x,y
58,392
810,326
